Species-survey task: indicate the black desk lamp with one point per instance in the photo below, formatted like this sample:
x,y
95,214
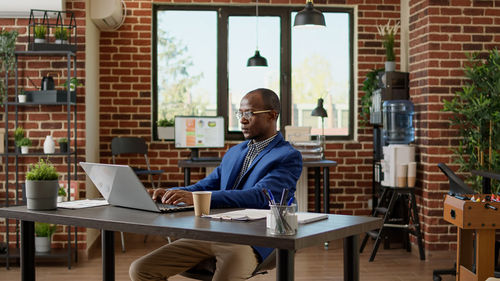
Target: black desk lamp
x,y
321,112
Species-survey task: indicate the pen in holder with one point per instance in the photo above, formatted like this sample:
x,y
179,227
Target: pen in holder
x,y
282,219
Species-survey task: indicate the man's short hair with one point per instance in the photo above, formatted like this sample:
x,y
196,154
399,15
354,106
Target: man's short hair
x,y
270,99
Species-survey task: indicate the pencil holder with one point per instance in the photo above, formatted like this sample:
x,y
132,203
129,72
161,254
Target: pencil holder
x,y
282,220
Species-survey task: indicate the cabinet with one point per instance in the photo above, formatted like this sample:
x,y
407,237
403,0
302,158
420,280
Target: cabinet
x,y
51,101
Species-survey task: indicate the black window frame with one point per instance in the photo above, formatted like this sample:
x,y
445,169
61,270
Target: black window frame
x,y
224,12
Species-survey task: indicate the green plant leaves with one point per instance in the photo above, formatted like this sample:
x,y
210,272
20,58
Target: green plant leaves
x,y
476,114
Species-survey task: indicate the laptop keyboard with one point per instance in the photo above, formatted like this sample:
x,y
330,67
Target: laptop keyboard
x,y
173,208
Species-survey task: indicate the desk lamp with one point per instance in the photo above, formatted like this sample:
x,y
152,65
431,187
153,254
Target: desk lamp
x,y
321,112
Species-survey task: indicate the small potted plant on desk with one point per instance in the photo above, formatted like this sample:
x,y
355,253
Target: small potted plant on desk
x,y
24,144
166,129
40,32
63,145
42,186
43,234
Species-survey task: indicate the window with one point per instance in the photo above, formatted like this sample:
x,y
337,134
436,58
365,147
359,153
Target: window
x,y
200,55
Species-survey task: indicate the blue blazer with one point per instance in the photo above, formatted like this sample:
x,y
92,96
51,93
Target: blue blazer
x,y
277,167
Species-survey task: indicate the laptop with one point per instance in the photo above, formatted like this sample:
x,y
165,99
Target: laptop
x,y
120,186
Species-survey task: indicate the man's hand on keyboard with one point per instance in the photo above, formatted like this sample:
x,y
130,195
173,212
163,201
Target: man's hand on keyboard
x,y
172,196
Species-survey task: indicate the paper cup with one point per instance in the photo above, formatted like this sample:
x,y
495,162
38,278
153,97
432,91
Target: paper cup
x,y
401,174
201,200
412,174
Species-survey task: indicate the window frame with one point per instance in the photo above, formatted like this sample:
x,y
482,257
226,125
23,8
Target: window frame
x,y
224,12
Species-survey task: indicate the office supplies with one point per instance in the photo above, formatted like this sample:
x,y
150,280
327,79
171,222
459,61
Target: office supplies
x,y
290,200
120,186
271,196
283,196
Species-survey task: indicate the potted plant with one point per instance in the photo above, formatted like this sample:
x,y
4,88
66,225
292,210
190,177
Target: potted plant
x,y
41,186
39,33
24,144
61,194
7,58
63,144
21,96
73,82
369,86
43,234
18,135
61,35
476,116
166,129
388,34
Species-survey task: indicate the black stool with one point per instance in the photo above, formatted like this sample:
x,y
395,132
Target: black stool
x,y
409,221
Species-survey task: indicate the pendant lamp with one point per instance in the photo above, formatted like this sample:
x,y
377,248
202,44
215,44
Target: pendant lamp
x,y
309,16
257,59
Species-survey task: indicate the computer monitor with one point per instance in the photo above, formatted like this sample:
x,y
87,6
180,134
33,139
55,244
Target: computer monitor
x,y
196,132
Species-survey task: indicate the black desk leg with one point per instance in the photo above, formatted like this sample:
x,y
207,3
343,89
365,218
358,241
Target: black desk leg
x,y
187,176
317,194
108,255
351,258
27,251
326,190
284,265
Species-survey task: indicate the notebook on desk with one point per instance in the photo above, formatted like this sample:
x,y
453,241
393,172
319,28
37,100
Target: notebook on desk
x,y
120,186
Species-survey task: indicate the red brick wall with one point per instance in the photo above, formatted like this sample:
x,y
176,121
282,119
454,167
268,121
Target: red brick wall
x,y
442,32
40,121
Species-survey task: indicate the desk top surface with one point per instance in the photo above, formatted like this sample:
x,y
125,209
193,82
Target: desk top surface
x,y
201,164
186,225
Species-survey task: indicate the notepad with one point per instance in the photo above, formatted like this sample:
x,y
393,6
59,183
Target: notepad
x,y
80,204
257,214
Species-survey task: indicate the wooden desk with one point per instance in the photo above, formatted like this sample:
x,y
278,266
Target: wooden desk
x,y
317,165
184,224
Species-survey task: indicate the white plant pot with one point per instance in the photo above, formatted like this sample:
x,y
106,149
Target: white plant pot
x,y
40,40
42,244
390,66
24,149
61,198
41,195
21,98
59,41
166,133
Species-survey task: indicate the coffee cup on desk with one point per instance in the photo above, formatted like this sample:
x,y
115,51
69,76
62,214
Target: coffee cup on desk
x,y
402,171
412,174
201,201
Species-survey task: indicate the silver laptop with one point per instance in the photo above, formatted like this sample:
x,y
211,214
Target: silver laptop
x,y
120,186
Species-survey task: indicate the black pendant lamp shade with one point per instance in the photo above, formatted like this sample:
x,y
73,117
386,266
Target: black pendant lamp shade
x,y
257,60
319,110
309,16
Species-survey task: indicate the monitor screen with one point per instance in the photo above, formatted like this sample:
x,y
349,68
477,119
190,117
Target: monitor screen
x,y
199,131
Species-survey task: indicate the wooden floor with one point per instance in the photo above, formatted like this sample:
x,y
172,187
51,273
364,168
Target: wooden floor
x,y
314,263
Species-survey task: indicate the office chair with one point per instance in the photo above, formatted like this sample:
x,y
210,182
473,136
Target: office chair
x,y
457,187
134,145
205,270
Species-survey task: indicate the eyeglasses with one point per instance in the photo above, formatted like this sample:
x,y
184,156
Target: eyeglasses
x,y
248,114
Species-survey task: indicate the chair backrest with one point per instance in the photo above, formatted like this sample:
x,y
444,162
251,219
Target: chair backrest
x,y
205,270
457,186
128,145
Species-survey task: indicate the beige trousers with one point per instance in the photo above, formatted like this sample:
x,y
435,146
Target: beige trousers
x,y
234,262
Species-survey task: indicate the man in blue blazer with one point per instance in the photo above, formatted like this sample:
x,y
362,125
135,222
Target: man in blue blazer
x,y
265,160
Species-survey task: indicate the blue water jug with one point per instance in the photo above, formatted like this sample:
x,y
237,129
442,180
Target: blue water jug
x,y
398,122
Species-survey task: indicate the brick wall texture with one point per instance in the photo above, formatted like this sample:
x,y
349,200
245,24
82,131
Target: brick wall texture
x,y
441,32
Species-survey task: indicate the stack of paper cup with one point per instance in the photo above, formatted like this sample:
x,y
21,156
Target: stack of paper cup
x,y
412,174
401,175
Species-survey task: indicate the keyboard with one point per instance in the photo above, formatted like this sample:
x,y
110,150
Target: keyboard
x,y
205,159
166,208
